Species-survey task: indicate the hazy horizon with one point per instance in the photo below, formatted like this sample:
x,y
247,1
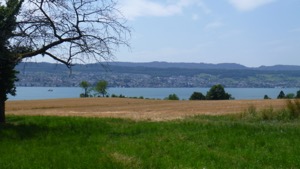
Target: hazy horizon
x,y
55,62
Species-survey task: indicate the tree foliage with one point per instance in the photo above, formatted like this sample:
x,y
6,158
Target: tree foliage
x,y
197,96
281,95
66,31
8,24
86,87
101,88
298,94
172,97
217,92
266,97
290,96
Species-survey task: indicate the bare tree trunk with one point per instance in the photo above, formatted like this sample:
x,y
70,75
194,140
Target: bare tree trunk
x,y
2,91
2,111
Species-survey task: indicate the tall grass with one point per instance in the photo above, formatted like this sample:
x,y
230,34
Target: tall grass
x,y
290,112
293,107
196,142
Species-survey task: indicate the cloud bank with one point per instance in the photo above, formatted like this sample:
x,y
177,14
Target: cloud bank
x,y
248,5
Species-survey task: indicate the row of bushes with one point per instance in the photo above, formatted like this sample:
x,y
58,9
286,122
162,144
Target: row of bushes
x,y
282,95
217,92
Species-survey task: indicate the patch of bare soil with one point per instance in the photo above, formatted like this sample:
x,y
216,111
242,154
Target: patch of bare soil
x,y
137,109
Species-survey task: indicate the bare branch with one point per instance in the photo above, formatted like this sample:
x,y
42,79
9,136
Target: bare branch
x,y
68,30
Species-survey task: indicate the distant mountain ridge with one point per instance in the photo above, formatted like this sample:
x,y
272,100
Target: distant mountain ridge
x,y
279,67
185,65
181,65
227,66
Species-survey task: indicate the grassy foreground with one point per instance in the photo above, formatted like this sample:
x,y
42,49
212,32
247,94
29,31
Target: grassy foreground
x,y
196,142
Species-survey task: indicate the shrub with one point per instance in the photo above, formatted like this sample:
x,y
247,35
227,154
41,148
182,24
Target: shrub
x,y
251,111
290,96
122,96
82,95
266,97
267,114
197,96
172,97
293,108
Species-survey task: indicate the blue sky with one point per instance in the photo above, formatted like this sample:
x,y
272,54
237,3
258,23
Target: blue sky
x,y
248,32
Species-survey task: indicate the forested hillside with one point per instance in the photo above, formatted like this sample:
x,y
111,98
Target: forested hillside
x,y
159,74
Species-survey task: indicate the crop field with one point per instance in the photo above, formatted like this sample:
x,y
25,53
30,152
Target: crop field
x,y
137,109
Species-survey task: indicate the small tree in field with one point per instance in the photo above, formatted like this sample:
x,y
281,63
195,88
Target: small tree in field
x,y
101,88
86,87
64,30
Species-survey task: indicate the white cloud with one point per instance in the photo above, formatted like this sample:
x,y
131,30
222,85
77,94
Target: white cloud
x,y
139,8
248,5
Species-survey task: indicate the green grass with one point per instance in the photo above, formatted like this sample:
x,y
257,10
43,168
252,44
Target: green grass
x,y
197,142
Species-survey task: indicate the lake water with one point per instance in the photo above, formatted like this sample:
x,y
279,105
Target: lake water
x,y
37,93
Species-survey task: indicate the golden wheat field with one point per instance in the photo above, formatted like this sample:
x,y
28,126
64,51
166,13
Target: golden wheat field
x,y
136,109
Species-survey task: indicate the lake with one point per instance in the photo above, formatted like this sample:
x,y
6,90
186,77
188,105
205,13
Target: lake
x,y
38,93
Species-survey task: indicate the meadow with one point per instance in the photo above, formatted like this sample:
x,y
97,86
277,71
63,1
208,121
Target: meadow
x,y
195,142
254,138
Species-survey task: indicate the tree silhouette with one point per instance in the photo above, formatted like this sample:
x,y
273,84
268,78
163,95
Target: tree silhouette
x,y
281,95
66,31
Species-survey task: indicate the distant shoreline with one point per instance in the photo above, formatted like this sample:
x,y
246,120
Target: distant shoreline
x,y
38,93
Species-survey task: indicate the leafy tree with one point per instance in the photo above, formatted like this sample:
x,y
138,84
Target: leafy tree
x,y
101,88
8,74
197,96
217,92
62,30
266,97
281,95
298,94
172,97
86,87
